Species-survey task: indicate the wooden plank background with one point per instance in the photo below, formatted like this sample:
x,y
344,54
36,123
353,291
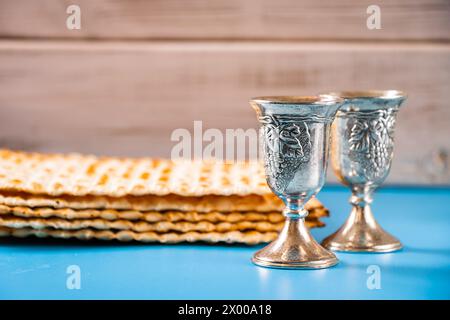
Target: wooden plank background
x,y
137,70
227,19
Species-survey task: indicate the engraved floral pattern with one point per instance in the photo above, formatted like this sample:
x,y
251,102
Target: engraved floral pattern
x,y
286,146
371,142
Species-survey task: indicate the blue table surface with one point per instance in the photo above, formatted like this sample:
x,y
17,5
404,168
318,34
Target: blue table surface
x,y
420,217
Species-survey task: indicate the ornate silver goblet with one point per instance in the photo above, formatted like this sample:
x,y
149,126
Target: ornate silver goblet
x,y
361,156
295,135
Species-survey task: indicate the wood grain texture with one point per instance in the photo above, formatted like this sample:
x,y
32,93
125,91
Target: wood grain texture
x,y
227,19
126,99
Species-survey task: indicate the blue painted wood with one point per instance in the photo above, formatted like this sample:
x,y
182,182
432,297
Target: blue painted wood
x,y
420,217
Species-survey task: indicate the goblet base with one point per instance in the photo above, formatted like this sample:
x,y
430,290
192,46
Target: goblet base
x,y
294,248
347,247
361,233
319,264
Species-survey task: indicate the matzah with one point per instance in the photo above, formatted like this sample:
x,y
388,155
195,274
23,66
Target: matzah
x,y
81,175
144,226
148,200
248,237
151,216
88,182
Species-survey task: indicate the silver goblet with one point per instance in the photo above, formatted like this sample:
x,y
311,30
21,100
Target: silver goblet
x,y
361,156
295,135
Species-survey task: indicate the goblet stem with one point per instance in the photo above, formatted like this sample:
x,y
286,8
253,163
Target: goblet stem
x,y
361,232
295,209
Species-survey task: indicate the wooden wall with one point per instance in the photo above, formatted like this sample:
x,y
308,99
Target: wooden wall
x,y
137,70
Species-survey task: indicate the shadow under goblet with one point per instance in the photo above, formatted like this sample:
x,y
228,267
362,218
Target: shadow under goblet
x,y
361,156
295,135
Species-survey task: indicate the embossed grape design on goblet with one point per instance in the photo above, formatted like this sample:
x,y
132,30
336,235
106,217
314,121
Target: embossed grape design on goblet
x,y
295,135
361,156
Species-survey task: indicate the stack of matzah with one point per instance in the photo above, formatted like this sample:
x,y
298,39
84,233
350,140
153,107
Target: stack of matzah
x,y
149,200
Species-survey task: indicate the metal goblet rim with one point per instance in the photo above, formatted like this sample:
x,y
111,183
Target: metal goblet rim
x,y
369,94
321,99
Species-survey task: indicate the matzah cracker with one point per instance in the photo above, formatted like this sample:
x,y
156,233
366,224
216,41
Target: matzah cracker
x,y
81,175
249,237
151,216
143,226
152,203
